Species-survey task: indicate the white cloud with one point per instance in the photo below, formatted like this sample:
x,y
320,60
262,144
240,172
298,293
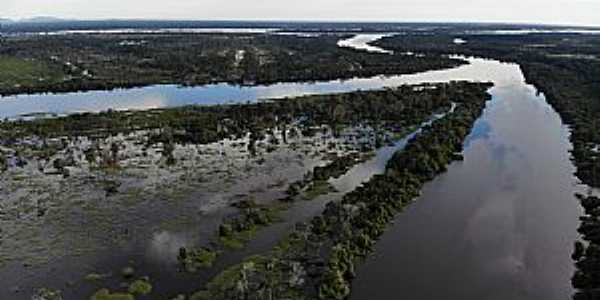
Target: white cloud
x,y
538,11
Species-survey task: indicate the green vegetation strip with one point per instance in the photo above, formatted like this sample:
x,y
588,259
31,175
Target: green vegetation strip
x,y
78,62
234,233
398,107
316,261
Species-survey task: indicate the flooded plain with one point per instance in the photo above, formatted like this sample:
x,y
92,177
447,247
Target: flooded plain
x,y
499,225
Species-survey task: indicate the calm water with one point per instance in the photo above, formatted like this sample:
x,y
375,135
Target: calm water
x,y
160,96
499,225
361,42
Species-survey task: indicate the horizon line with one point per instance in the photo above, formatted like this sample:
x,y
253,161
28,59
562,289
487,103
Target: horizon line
x,y
256,20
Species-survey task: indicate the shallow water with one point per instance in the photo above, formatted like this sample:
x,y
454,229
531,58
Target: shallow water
x,y
499,225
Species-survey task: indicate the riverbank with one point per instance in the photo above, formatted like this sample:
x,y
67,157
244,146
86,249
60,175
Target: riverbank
x,y
100,172
317,260
487,207
564,67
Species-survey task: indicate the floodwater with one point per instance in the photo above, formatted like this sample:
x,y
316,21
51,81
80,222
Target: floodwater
x,y
499,225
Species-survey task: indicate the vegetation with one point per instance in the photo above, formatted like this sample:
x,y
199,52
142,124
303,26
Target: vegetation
x,y
317,260
140,287
18,72
47,294
105,294
237,230
204,124
194,259
316,183
355,223
587,277
79,62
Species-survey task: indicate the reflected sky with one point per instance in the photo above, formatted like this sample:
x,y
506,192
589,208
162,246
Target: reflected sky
x,y
160,96
361,42
499,225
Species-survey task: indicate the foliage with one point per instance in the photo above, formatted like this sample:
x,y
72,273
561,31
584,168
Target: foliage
x,y
79,62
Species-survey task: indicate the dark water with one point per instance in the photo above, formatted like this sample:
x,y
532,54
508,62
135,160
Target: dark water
x,y
499,225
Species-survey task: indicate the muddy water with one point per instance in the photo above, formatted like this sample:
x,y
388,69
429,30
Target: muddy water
x,y
499,225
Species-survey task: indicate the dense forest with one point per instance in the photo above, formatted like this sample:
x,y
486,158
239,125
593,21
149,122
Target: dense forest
x,y
63,63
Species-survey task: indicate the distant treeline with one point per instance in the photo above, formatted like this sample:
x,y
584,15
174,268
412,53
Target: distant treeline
x,y
203,124
67,63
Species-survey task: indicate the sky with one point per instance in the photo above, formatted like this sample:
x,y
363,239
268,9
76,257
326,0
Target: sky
x,y
570,12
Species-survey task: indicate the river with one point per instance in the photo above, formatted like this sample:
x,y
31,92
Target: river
x,y
499,225
162,96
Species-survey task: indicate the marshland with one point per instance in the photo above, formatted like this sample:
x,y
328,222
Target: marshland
x,y
298,161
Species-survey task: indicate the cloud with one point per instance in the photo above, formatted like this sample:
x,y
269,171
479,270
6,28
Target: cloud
x,y
536,11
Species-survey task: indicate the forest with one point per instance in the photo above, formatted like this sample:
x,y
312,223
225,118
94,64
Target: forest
x,y
70,63
204,124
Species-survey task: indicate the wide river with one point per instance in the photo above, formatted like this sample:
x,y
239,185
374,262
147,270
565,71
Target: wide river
x,y
499,225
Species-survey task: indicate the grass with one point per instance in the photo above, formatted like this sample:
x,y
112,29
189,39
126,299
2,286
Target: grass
x,y
317,189
94,277
105,294
396,136
193,259
26,72
140,287
238,240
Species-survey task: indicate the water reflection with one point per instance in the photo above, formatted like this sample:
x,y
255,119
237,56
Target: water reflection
x,y
172,95
164,246
499,225
361,42
363,172
160,96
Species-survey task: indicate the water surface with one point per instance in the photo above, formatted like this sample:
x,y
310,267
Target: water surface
x,y
162,96
499,225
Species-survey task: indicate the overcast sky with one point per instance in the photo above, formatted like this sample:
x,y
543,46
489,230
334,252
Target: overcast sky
x,y
577,12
